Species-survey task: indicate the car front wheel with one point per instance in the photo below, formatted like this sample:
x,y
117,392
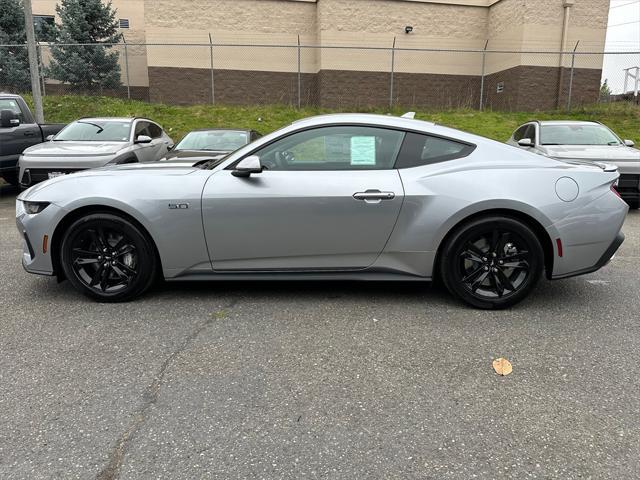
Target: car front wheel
x,y
492,262
108,257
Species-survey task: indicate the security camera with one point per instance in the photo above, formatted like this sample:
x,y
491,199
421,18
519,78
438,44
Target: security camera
x,y
408,29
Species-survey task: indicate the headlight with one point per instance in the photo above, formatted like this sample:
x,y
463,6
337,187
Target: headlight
x,y
34,207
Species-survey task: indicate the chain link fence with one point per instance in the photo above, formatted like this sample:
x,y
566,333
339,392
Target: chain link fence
x,y
338,77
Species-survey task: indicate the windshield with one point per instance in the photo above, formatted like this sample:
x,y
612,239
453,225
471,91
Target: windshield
x,y
96,131
220,140
577,135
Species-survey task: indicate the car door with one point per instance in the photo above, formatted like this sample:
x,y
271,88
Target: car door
x,y
15,139
327,199
160,142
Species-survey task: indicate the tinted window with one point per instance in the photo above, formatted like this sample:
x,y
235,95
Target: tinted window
x,y
519,133
142,128
530,133
419,149
10,104
155,130
334,148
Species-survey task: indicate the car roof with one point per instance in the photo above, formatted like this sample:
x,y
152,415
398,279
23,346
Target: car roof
x,y
9,95
115,119
566,122
365,118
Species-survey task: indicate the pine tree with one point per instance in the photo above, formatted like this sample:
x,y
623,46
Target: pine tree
x,y
86,67
605,90
14,61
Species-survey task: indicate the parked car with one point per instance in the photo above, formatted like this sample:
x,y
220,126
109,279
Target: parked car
x,y
209,144
349,196
94,142
18,131
584,141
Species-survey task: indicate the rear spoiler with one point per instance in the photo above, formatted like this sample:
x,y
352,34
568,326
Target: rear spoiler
x,y
606,167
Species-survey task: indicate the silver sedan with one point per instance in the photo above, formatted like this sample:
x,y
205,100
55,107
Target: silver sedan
x,y
350,196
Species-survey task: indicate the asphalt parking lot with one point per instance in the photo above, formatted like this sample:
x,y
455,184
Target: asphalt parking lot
x,y
321,380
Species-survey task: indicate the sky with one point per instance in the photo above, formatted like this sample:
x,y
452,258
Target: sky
x,y
623,35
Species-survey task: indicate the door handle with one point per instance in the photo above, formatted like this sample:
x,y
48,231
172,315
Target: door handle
x,y
373,195
29,134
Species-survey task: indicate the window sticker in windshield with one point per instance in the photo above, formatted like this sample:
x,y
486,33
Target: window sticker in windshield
x,y
363,150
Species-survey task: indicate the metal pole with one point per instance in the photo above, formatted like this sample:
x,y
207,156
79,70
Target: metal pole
x,y
573,64
299,74
41,64
393,61
213,90
484,57
33,62
126,66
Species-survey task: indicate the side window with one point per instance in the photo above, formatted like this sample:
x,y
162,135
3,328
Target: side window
x,y
334,148
10,104
155,131
530,133
520,133
419,149
142,128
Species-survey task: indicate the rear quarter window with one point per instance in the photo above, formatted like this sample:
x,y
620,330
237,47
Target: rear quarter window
x,y
418,150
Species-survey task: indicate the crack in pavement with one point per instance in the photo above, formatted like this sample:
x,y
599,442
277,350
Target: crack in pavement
x,y
112,470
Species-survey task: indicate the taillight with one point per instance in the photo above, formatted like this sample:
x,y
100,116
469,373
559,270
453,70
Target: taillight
x,y
613,189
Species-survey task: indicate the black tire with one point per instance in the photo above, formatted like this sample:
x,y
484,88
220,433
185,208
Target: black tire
x,y
491,262
11,178
108,258
633,204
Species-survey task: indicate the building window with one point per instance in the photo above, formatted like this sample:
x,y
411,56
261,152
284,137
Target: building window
x,y
44,27
500,87
124,23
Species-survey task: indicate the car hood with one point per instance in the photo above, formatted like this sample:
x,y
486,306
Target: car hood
x,y
142,170
594,152
75,149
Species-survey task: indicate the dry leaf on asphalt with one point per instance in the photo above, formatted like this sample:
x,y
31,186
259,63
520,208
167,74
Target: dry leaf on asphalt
x,y
502,366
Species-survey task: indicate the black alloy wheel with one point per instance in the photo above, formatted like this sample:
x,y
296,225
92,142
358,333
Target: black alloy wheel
x,y
108,258
492,262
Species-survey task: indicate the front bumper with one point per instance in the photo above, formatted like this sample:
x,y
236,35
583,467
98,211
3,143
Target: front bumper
x,y
33,228
629,186
31,176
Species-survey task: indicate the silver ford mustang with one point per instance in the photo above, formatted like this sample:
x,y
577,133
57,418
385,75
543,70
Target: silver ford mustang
x,y
347,196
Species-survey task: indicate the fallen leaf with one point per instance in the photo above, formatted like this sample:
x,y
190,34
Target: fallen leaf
x,y
502,366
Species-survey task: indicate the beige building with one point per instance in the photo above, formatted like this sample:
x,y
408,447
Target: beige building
x,y
333,76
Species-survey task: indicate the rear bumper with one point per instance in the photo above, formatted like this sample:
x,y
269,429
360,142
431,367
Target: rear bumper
x,y
604,259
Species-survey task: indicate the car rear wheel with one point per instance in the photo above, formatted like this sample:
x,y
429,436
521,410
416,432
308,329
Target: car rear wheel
x,y
108,258
492,262
633,204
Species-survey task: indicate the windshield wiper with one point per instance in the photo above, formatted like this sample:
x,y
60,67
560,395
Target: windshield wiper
x,y
100,129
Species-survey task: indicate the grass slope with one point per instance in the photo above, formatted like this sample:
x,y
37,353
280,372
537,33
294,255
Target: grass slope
x,y
624,119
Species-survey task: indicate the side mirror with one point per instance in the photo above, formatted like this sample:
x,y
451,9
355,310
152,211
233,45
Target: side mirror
x,y
247,166
525,142
9,118
143,139
49,138
629,143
